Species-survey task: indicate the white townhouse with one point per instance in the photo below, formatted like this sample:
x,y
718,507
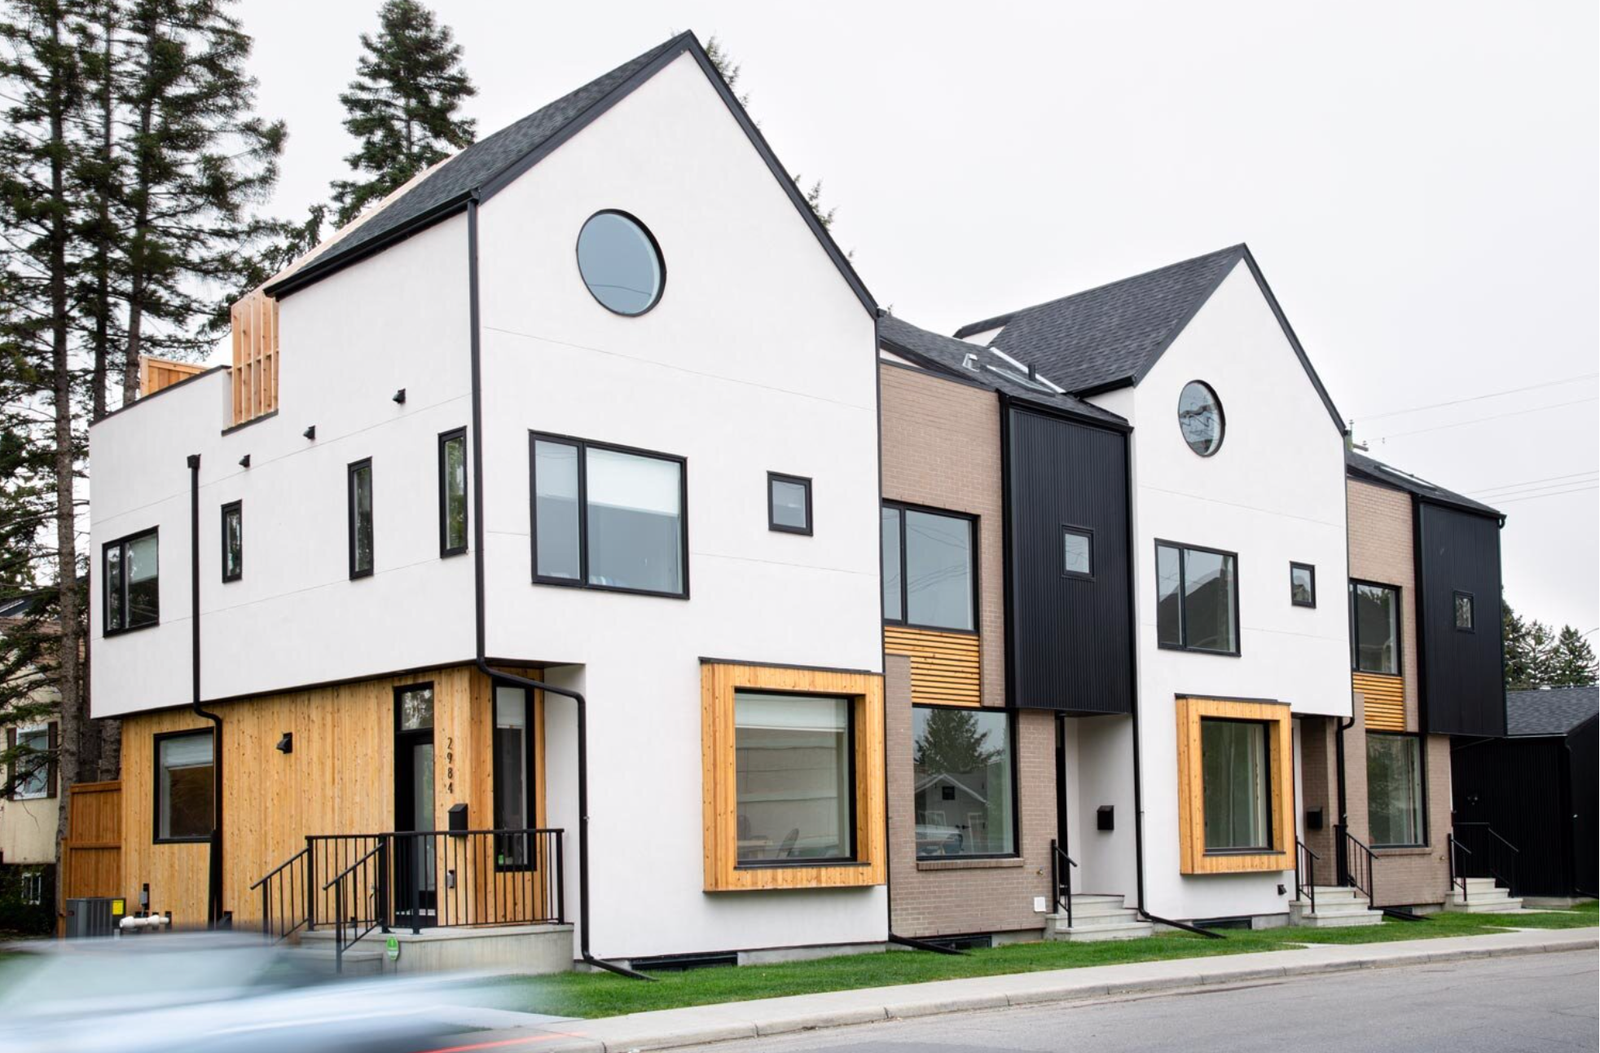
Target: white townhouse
x,y
522,571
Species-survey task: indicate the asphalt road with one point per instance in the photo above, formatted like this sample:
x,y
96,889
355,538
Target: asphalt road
x,y
1541,1002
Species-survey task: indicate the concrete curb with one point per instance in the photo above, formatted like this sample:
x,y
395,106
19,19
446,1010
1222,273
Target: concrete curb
x,y
676,1028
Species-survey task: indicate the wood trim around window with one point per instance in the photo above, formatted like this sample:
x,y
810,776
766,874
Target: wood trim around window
x,y
1193,857
718,682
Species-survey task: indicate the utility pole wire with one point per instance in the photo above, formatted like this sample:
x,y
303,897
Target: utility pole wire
x,y
1480,420
1558,493
1479,398
1525,482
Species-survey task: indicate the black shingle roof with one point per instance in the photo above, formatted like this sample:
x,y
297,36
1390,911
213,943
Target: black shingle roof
x,y
951,356
1111,336
483,168
1361,466
1550,711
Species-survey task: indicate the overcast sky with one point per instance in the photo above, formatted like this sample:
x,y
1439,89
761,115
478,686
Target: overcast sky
x,y
1420,183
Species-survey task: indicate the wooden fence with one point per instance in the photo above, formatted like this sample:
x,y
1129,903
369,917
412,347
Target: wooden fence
x,y
91,854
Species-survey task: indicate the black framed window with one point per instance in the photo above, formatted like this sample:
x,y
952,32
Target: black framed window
x,y
1302,585
788,503
1237,785
514,776
1375,628
930,578
1466,616
609,517
131,582
1395,794
453,492
965,781
359,490
1197,599
184,799
794,761
1077,552
233,541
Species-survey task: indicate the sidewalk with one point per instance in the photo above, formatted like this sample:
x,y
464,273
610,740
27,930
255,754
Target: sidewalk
x,y
670,1028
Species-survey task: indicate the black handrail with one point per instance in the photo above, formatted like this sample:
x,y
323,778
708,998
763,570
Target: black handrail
x,y
284,900
364,866
1057,873
1357,868
1305,860
1458,875
1496,855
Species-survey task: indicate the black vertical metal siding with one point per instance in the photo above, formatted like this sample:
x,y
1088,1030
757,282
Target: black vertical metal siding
x,y
1463,690
1069,639
1583,758
1520,788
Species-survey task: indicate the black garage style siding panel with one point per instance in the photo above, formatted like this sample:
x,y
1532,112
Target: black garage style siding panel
x,y
1463,690
1069,637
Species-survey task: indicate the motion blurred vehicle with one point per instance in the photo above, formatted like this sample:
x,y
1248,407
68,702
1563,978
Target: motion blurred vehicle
x,y
182,993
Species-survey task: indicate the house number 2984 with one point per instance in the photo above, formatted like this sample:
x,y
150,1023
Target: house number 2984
x,y
450,764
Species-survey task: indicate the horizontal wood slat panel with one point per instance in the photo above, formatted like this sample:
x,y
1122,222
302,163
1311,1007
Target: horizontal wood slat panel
x,y
945,667
158,373
1385,700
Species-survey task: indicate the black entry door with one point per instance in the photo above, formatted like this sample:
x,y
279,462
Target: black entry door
x,y
415,864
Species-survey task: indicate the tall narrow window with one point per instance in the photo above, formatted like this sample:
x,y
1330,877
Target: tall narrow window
x,y
513,775
1077,552
132,583
1237,785
1375,627
233,541
1465,616
453,492
792,760
35,771
934,571
184,797
360,491
1302,585
1394,789
608,518
1197,599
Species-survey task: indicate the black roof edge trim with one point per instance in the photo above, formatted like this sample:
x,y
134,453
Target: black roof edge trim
x,y
1100,389
1356,472
312,272
1072,416
1294,341
1239,252
999,321
142,399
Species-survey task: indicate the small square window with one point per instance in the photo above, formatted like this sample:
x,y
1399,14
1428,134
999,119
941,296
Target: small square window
x,y
1464,612
1302,585
1077,553
788,503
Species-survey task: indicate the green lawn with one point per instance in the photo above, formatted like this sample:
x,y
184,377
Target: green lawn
x,y
603,994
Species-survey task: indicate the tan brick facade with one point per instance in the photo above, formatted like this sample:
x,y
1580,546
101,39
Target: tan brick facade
x,y
941,449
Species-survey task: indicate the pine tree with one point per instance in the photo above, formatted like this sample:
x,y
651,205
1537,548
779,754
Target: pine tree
x,y
1572,663
403,105
951,742
1540,654
97,175
1519,661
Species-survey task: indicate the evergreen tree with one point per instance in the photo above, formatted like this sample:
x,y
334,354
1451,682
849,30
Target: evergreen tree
x,y
1572,664
403,105
951,742
97,175
1519,669
1540,654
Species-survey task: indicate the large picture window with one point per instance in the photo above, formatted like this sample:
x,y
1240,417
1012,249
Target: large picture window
x,y
605,517
792,759
929,577
132,583
963,774
1375,627
1197,599
1394,789
184,797
453,492
1237,785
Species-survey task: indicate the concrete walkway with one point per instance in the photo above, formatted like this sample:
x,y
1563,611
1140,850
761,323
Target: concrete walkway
x,y
670,1028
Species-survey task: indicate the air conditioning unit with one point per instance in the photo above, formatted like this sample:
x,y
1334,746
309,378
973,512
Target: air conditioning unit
x,y
90,917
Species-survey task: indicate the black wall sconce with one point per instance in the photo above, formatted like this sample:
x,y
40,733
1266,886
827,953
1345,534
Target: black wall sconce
x,y
286,744
458,818
400,396
311,432
244,462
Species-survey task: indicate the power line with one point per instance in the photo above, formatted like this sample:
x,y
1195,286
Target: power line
x,y
1525,482
1479,398
1527,490
1480,420
1558,493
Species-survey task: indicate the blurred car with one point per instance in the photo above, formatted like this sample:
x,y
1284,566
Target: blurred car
x,y
179,993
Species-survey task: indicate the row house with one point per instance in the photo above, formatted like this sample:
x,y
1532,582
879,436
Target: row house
x,y
500,583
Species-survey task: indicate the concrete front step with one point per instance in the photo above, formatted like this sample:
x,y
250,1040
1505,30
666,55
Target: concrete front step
x,y
1483,901
1097,916
1338,907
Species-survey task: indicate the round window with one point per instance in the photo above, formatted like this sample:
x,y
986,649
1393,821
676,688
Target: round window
x,y
620,263
1200,418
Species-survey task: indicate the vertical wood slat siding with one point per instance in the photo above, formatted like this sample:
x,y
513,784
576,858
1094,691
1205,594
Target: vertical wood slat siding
x,y
1385,700
91,854
158,373
945,667
1193,857
720,820
255,356
338,780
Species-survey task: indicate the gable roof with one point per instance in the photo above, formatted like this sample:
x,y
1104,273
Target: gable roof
x,y
1111,336
951,357
481,170
1360,466
1550,711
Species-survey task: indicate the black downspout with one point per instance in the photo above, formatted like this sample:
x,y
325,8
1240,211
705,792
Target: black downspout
x,y
482,662
1340,862
214,880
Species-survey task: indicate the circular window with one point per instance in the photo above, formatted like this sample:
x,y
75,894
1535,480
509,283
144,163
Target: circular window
x,y
1200,418
620,263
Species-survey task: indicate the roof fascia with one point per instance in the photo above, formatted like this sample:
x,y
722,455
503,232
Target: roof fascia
x,y
1294,341
1183,323
315,272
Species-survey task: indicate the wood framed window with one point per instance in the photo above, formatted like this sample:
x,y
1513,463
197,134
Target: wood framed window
x,y
233,541
131,580
453,492
1235,786
359,492
765,730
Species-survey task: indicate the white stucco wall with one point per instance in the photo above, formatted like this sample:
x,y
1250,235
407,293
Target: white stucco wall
x,y
758,357
1274,493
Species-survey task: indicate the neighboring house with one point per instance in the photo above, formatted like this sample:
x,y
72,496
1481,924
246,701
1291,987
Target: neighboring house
x,y
479,443
28,811
1537,789
1424,596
